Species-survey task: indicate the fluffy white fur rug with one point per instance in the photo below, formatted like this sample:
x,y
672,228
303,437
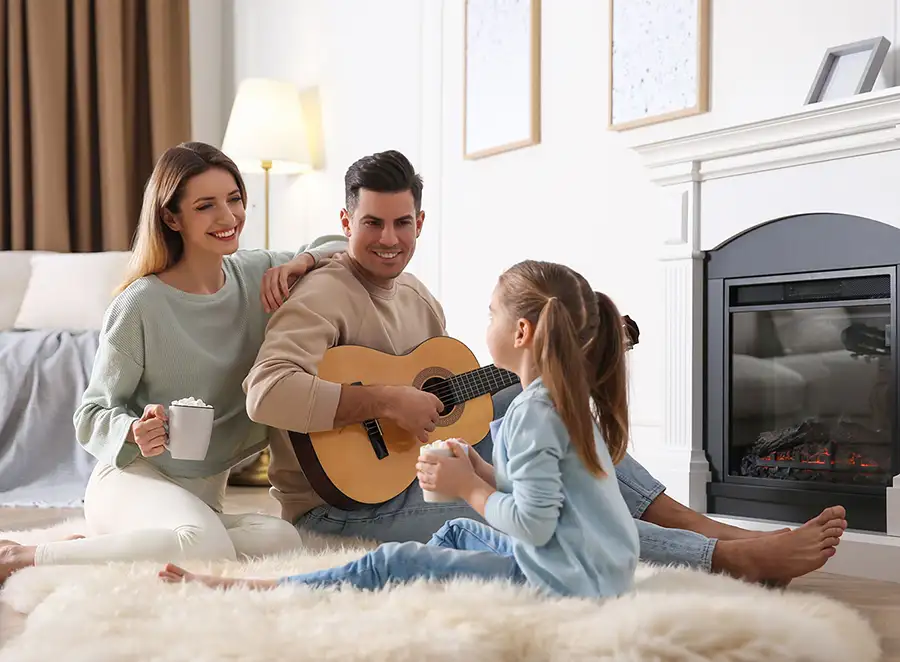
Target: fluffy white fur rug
x,y
122,612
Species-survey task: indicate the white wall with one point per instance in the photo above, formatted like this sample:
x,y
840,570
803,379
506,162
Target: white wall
x,y
389,75
212,68
578,198
362,60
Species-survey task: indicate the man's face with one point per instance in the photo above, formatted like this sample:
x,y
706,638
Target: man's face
x,y
382,231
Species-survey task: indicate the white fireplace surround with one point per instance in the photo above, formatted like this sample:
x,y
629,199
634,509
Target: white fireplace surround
x,y
842,157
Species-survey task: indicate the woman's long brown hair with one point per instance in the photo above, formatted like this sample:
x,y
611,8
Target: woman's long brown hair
x,y
157,246
578,350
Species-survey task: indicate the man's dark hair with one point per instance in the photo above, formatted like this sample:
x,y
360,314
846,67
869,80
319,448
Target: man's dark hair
x,y
631,328
384,172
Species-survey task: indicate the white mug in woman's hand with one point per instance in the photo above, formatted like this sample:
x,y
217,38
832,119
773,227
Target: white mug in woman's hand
x,y
190,429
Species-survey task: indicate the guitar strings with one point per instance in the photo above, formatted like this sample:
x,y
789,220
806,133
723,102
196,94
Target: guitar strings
x,y
485,376
466,381
489,376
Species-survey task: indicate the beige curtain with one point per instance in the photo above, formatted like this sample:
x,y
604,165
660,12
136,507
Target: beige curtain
x,y
91,93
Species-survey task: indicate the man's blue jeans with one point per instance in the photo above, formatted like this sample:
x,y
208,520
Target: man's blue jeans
x,y
408,518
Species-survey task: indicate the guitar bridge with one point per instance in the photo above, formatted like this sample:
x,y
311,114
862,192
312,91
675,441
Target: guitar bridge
x,y
376,437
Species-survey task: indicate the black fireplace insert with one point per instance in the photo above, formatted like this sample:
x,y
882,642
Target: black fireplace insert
x,y
801,399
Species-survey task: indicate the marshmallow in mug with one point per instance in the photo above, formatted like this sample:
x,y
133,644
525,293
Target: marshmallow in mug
x,y
190,402
442,445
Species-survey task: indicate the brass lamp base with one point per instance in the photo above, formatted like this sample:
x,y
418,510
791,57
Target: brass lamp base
x,y
255,474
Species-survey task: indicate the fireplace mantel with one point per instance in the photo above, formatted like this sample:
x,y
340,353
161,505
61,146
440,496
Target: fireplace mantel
x,y
863,124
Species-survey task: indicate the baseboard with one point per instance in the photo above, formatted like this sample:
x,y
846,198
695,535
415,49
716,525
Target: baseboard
x,y
860,553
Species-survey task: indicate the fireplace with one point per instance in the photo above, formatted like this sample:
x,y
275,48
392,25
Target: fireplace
x,y
801,398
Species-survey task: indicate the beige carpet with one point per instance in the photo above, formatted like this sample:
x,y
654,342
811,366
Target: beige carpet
x,y
123,613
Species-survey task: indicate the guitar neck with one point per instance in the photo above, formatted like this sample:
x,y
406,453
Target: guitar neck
x,y
473,384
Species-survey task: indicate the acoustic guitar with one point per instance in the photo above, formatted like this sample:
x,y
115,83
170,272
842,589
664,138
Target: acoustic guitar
x,y
372,462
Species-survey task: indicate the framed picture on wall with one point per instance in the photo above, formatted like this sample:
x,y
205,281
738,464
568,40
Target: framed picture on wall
x,y
502,80
658,61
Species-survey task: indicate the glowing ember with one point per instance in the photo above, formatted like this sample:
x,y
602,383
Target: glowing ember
x,y
816,451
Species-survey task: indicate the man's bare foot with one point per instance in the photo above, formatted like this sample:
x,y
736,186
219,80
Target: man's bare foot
x,y
736,533
74,536
174,575
778,558
13,557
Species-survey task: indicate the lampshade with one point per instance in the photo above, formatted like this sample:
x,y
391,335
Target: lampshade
x,y
266,124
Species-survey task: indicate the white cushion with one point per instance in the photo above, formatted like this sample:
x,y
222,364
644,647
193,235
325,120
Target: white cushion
x,y
15,270
71,291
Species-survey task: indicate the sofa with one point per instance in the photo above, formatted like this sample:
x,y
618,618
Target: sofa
x,y
51,311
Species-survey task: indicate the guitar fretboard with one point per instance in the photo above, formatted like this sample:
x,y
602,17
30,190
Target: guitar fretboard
x,y
473,384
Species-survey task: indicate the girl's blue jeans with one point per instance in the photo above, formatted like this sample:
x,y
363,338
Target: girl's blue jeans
x,y
461,548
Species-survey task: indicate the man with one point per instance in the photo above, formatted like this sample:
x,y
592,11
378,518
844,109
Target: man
x,y
364,298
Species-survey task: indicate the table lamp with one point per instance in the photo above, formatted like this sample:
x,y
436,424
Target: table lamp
x,y
266,130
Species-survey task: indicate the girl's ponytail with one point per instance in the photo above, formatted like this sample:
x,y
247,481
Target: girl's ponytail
x,y
560,361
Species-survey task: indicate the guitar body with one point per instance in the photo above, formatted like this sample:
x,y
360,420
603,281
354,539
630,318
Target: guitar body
x,y
342,465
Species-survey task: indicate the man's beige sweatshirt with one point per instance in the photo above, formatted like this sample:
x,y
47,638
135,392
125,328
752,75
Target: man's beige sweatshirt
x,y
333,305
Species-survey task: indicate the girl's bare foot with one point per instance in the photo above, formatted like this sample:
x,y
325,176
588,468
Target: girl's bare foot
x,y
776,559
74,536
174,575
13,557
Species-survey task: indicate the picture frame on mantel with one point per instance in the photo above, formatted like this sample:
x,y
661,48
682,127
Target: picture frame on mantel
x,y
848,70
658,61
502,76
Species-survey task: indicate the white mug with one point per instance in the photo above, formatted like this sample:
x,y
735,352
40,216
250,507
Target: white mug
x,y
190,429
438,497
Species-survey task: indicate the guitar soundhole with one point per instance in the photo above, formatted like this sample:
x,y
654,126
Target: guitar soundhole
x,y
434,385
434,380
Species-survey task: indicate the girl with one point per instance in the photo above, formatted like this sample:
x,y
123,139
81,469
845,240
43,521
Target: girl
x,y
557,519
187,322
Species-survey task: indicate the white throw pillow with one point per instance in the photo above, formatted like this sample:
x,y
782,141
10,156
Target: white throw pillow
x,y
71,291
15,270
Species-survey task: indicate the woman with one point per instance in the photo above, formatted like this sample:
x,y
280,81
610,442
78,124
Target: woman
x,y
187,322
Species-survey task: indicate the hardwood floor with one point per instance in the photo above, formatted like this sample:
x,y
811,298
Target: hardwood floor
x,y
877,601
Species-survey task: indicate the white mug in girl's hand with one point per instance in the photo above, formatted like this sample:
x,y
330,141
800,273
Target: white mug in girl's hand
x,y
190,429
439,447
